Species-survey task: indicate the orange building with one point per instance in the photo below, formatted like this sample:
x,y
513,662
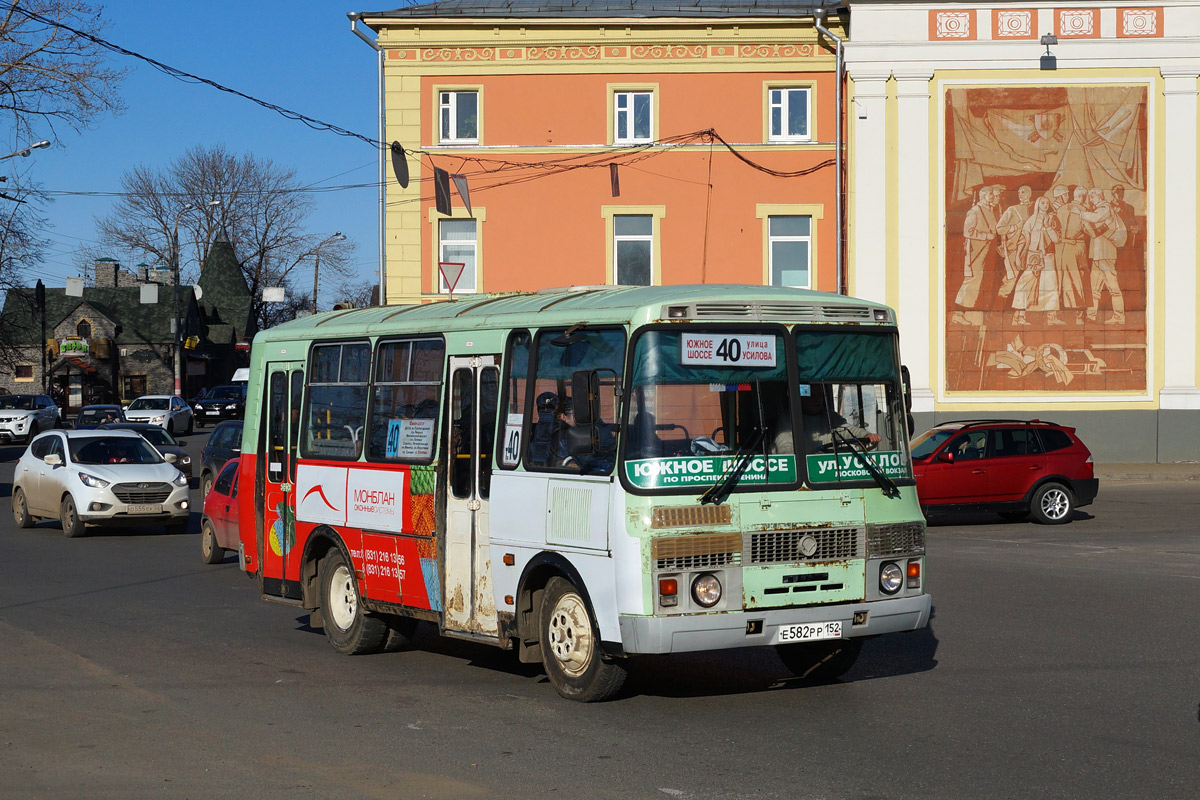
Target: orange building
x,y
610,143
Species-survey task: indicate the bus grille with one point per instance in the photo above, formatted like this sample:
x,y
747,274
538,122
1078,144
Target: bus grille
x,y
788,547
903,538
680,553
142,492
779,311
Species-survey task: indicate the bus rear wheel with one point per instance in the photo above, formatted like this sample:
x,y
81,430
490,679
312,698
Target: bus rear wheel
x,y
570,644
349,628
820,661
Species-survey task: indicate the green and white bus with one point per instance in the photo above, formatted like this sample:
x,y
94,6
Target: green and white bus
x,y
588,474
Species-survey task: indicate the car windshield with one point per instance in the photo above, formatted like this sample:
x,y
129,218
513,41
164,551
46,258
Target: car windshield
x,y
157,436
149,404
924,445
17,401
230,393
113,450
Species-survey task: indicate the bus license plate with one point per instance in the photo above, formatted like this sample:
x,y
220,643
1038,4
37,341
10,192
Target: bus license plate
x,y
146,508
811,632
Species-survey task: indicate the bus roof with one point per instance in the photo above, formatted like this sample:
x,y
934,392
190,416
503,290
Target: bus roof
x,y
594,304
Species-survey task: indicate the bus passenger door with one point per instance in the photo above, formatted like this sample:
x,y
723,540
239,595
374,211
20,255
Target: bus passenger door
x,y
275,478
467,594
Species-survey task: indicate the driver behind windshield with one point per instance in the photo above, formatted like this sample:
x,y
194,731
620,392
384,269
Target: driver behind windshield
x,y
820,421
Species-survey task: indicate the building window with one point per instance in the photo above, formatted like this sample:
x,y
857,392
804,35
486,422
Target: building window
x,y
23,372
789,114
633,115
133,386
789,248
633,249
84,329
458,243
459,117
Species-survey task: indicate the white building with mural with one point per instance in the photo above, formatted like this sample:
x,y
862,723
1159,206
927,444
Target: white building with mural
x,y
1023,189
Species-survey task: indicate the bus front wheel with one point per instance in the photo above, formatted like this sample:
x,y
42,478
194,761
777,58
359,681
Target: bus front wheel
x,y
571,647
820,661
349,628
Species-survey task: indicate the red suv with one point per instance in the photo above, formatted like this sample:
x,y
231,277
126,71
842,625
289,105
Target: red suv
x,y
1017,468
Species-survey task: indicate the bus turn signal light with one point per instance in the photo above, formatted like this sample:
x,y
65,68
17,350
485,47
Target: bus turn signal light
x,y
668,592
914,575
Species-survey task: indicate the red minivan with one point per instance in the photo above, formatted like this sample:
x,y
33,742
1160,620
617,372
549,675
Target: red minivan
x,y
218,526
1017,468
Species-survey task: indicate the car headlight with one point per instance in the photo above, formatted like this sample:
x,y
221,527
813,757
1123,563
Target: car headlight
x,y
185,459
199,407
231,407
159,418
180,479
706,590
92,481
891,578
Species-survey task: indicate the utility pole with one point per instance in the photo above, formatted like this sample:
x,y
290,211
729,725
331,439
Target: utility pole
x,y
337,237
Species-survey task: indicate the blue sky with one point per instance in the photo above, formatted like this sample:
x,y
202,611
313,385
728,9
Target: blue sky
x,y
299,54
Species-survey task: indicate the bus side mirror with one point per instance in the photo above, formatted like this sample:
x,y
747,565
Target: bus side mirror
x,y
585,396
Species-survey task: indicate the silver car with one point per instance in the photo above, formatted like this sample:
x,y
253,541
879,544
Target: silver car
x,y
164,410
93,477
23,416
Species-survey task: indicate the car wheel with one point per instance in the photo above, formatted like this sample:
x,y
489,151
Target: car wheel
x,y
820,661
206,483
68,515
210,551
349,628
20,509
1052,504
570,646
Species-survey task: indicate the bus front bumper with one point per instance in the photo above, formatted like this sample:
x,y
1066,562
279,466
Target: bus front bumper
x,y
682,634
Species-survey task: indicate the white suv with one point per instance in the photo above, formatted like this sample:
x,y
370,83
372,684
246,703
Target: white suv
x,y
112,477
23,416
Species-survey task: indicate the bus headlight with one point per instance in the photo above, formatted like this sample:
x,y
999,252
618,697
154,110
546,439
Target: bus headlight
x,y
706,590
891,578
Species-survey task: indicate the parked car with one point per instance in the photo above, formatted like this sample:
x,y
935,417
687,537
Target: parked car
x,y
23,416
218,526
166,411
221,403
224,443
1016,468
97,477
162,441
94,416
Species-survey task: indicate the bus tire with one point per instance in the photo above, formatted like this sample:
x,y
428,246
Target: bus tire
x,y
400,632
349,628
210,551
820,661
570,644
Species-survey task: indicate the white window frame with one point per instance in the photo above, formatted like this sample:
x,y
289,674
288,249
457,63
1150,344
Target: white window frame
x,y
783,105
627,114
773,239
447,101
461,288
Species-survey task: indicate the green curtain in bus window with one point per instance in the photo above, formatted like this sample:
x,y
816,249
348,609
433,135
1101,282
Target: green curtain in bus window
x,y
604,350
658,360
835,356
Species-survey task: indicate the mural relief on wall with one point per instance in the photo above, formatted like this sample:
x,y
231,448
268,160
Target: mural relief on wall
x,y
1045,269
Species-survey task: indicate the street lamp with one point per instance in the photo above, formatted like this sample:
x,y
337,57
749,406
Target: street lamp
x,y
25,153
175,292
337,237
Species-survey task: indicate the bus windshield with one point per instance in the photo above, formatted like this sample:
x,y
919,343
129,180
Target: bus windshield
x,y
701,401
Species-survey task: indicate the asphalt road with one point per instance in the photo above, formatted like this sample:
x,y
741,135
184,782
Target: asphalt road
x,y
1061,662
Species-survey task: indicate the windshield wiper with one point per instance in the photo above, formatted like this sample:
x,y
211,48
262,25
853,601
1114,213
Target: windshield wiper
x,y
885,483
741,459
